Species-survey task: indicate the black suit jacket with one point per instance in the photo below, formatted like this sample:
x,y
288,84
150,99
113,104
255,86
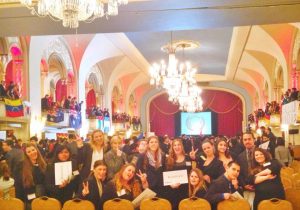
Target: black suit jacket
x,y
219,186
94,196
244,175
84,158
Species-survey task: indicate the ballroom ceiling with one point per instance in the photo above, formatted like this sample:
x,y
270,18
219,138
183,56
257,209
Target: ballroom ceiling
x,y
240,40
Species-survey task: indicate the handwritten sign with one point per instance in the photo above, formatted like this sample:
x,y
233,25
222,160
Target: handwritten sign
x,y
175,177
63,171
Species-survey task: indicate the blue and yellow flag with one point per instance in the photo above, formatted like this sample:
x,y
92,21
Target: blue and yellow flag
x,y
14,108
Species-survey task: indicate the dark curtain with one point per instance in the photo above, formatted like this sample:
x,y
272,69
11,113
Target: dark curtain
x,y
226,110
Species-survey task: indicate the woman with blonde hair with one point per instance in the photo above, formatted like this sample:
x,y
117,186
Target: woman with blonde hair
x,y
197,185
152,163
90,153
177,160
33,175
114,158
125,185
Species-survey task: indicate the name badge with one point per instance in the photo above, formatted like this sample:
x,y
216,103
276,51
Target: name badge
x,y
266,164
188,163
75,173
203,158
121,192
31,196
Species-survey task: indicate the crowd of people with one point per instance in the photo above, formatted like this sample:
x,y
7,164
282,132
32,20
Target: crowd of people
x,y
97,112
10,90
103,169
69,103
290,95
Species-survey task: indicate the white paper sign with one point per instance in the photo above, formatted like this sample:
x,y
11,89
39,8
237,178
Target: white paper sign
x,y
264,145
63,171
175,177
147,193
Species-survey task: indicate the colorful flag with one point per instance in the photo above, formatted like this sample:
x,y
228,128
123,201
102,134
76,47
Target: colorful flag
x,y
14,108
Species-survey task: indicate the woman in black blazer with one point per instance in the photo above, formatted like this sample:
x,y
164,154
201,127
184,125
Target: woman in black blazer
x,y
90,153
66,190
177,160
93,188
153,163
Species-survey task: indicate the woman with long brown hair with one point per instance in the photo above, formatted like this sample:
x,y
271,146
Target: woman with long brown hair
x,y
222,151
197,185
177,160
152,163
266,177
33,175
125,185
90,153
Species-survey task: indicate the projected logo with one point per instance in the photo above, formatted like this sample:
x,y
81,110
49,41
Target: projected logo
x,y
195,123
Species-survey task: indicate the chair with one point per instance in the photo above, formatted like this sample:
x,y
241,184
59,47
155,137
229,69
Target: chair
x,y
286,182
292,195
155,204
287,171
12,204
11,193
194,203
295,165
45,203
275,204
296,180
78,204
118,204
238,204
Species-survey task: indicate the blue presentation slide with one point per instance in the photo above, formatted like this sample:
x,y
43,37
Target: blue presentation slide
x,y
196,123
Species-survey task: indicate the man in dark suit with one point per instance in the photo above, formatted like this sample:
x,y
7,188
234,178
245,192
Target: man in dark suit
x,y
2,89
225,187
245,161
14,158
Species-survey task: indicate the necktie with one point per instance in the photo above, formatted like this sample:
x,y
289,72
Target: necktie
x,y
249,159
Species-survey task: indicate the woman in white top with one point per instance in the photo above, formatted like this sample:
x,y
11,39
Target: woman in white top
x,y
282,153
90,153
6,182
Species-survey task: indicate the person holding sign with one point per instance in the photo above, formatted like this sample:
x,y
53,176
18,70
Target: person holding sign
x,y
153,163
33,175
93,188
197,184
265,176
177,160
225,187
125,185
58,186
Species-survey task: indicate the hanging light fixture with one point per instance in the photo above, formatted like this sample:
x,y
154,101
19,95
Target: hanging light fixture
x,y
178,79
71,12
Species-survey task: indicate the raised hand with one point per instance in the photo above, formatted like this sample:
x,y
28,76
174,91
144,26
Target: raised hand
x,y
235,183
143,178
85,189
193,153
119,153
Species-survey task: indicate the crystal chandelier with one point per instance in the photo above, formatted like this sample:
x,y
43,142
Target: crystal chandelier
x,y
73,11
178,80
